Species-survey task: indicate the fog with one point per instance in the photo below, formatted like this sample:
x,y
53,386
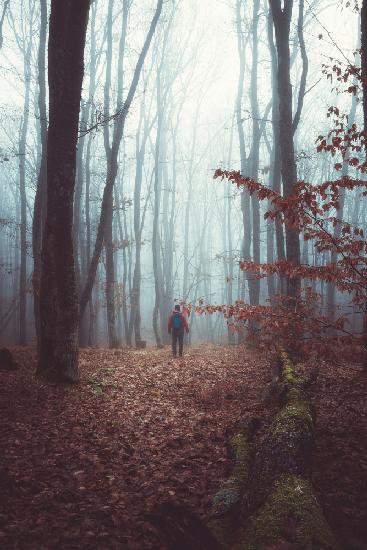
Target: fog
x,y
169,214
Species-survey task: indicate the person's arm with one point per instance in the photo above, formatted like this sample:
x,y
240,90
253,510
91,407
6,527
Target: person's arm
x,y
169,324
186,325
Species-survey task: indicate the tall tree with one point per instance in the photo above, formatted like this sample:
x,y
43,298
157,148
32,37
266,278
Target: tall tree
x,y
2,18
364,90
245,195
39,209
23,196
364,66
282,17
24,39
254,283
112,151
112,173
58,349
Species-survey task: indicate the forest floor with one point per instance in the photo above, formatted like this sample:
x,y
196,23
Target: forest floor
x,y
81,466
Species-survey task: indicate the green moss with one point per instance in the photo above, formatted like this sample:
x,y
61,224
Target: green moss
x,y
226,502
230,493
99,383
289,376
295,410
241,446
291,513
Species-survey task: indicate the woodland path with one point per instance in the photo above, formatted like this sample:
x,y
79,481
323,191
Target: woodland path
x,y
82,465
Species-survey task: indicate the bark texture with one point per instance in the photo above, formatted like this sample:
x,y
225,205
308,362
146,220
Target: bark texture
x,y
364,89
39,210
282,17
58,346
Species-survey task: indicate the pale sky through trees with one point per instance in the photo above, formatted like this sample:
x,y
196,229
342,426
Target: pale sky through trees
x,y
202,59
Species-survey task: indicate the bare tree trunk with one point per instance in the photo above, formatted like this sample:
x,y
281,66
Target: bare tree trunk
x,y
282,20
23,201
2,18
135,297
111,175
59,312
123,236
157,266
340,213
364,89
39,212
254,287
112,166
276,161
92,88
302,86
79,251
91,321
245,196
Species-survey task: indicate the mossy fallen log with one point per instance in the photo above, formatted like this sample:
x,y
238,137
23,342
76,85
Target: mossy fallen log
x,y
286,446
290,518
268,501
281,507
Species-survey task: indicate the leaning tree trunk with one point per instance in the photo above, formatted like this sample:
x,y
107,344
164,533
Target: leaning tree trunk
x,y
58,350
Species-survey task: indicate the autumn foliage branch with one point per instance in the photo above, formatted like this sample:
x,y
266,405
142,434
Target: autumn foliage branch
x,y
312,210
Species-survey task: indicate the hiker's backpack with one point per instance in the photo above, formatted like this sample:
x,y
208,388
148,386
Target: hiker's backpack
x,y
177,321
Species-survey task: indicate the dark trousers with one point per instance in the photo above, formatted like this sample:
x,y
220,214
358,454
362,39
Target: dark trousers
x,y
177,335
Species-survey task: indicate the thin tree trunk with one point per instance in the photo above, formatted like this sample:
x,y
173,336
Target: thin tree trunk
x,y
39,212
23,202
245,196
364,89
254,287
112,166
92,87
157,267
122,237
282,20
2,18
275,174
135,295
111,175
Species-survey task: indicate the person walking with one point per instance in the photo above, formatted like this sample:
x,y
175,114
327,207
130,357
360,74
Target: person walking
x,y
177,325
